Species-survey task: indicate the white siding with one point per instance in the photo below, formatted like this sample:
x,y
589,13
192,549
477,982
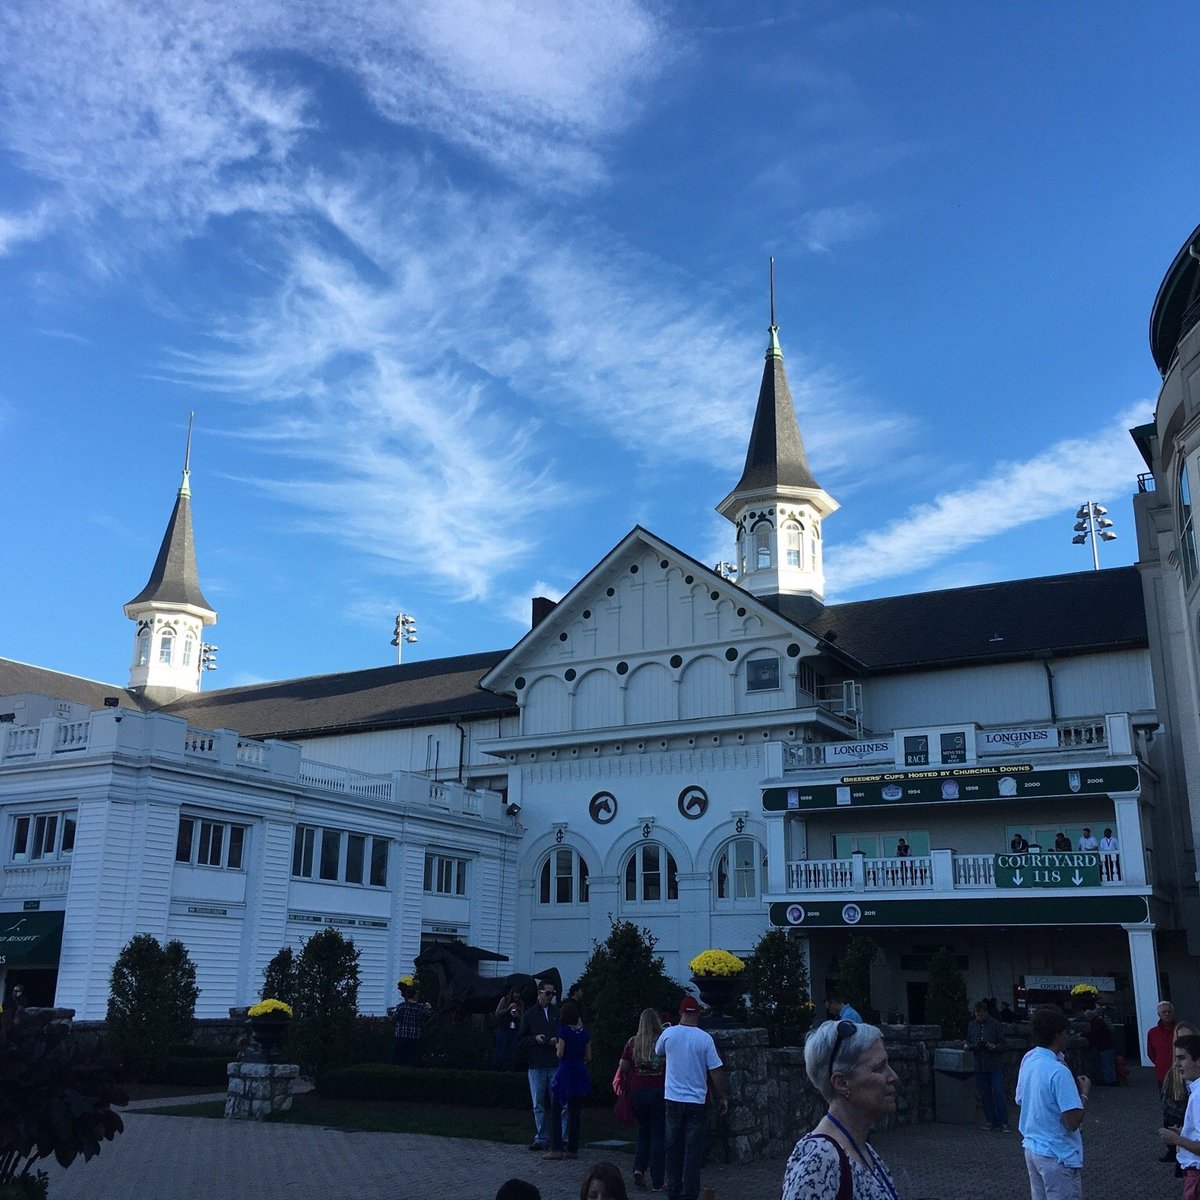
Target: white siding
x,y
704,688
649,695
597,701
546,709
1103,683
994,695
213,944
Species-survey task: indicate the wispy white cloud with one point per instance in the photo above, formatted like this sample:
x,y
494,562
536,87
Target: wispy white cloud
x,y
823,229
518,607
1012,494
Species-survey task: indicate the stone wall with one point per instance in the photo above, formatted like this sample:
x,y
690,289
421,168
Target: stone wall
x,y
773,1104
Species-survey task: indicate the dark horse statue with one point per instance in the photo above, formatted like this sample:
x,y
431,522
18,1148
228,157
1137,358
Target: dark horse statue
x,y
462,990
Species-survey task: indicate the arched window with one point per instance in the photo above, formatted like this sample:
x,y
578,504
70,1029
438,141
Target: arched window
x,y
651,875
741,872
563,878
762,547
166,647
142,653
793,539
189,650
1187,529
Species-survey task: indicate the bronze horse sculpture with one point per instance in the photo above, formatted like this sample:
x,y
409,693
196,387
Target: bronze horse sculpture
x,y
462,990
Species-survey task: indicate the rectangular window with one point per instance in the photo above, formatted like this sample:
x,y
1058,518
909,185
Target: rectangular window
x,y
379,862
45,828
651,876
445,876
317,854
356,845
38,837
164,649
187,651
68,834
563,873
331,853
21,839
202,843
762,674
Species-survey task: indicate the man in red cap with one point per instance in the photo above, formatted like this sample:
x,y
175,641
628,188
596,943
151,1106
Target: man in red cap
x,y
692,1064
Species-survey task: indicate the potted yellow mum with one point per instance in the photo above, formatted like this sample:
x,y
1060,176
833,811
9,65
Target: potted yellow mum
x,y
717,975
269,1022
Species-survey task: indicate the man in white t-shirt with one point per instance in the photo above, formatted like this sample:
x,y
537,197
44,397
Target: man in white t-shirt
x,y
1186,1139
1088,842
692,1064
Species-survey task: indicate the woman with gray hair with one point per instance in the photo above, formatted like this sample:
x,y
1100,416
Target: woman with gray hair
x,y
847,1064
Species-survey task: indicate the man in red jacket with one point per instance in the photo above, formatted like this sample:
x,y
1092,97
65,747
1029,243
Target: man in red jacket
x,y
1160,1040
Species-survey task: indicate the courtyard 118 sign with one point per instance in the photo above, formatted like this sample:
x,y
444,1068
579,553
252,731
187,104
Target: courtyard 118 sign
x,y
1047,870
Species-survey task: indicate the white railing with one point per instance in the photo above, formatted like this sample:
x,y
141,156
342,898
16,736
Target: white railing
x,y
252,754
200,742
72,735
890,874
1089,736
820,875
974,870
37,879
341,779
22,742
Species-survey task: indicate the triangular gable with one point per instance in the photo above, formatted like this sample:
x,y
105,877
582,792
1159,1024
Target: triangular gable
x,y
644,597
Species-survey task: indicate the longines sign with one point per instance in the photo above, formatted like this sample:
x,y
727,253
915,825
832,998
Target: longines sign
x,y
1013,781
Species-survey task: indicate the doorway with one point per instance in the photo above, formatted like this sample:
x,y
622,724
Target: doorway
x,y
917,994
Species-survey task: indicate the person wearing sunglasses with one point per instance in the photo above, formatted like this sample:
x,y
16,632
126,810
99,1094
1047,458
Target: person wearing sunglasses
x,y
538,1040
847,1063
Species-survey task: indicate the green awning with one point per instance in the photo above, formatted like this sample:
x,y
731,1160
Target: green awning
x,y
32,939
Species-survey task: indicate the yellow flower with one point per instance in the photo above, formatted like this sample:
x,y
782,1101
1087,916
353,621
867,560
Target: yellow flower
x,y
716,962
265,1008
405,980
1085,989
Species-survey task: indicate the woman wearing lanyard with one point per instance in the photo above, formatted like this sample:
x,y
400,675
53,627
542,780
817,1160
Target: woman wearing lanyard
x,y
848,1065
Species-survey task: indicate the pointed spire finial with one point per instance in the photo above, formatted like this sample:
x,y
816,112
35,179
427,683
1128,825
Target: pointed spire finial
x,y
773,350
185,488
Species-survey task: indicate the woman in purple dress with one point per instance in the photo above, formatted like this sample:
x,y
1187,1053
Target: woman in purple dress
x,y
571,1082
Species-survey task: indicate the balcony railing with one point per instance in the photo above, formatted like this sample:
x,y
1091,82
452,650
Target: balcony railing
x,y
915,873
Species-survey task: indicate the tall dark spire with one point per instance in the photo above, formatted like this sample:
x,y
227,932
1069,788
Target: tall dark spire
x,y
776,455
174,579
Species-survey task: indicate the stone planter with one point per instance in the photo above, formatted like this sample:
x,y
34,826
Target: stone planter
x,y
717,993
270,1035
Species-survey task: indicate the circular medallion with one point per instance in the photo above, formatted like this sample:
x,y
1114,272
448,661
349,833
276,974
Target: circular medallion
x,y
796,914
693,802
602,807
851,914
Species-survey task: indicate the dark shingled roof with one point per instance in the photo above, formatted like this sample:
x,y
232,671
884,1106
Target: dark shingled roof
x,y
18,679
1082,612
776,454
440,689
174,579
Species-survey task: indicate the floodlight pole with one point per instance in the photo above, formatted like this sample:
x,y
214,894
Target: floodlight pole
x,y
1091,520
1092,523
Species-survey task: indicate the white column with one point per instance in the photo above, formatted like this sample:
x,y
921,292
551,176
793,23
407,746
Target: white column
x,y
1129,839
1143,963
777,855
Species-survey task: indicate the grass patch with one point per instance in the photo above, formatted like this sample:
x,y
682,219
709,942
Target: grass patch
x,y
156,1091
509,1126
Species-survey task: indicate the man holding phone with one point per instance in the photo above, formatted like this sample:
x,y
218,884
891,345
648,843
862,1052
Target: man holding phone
x,y
538,1039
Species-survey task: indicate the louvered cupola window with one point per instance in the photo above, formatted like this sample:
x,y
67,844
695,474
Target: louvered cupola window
x,y
166,647
793,540
762,548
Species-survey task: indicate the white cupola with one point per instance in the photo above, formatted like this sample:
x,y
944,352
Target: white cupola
x,y
170,612
777,507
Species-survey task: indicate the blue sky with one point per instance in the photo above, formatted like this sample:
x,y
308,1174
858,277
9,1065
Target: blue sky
x,y
460,291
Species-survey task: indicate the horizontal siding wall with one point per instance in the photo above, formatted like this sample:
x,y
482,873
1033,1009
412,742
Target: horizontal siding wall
x,y
213,944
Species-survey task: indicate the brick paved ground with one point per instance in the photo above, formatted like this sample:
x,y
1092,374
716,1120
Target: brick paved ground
x,y
186,1158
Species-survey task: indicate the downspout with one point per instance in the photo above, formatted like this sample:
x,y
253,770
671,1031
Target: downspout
x,y
1050,690
462,747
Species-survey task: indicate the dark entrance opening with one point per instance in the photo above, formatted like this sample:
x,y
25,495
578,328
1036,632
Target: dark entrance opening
x,y
39,984
917,993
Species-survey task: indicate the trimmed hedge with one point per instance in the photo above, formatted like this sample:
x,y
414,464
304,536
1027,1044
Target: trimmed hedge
x,y
187,1050
194,1071
428,1085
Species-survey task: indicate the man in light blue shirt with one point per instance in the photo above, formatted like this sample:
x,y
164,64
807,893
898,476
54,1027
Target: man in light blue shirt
x,y
1052,1107
839,1010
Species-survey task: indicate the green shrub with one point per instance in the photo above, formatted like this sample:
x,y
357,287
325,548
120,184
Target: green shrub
x,y
622,977
450,1043
425,1085
373,1038
182,992
178,1050
326,1004
279,977
778,986
56,1097
854,975
194,1072
946,999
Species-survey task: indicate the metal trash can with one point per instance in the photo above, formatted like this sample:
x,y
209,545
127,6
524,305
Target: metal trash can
x,y
954,1086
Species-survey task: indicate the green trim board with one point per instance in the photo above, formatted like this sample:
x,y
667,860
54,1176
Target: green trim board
x,y
869,912
1021,781
30,939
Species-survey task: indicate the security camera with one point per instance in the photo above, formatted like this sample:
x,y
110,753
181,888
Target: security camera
x,y
513,809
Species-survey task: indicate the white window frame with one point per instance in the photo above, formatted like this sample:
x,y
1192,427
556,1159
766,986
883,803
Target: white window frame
x,y
736,880
166,646
189,649
211,842
752,685
1185,517
554,882
644,866
312,845
793,539
445,874
43,835
763,558
141,653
